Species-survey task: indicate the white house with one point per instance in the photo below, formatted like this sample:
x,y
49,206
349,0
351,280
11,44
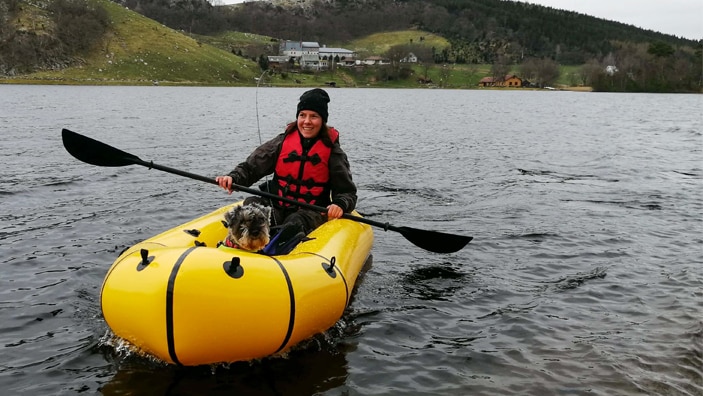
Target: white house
x,y
373,60
310,61
411,58
278,61
297,49
310,55
344,56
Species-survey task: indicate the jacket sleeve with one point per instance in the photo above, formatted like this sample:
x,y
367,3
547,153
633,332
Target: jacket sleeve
x,y
261,162
342,186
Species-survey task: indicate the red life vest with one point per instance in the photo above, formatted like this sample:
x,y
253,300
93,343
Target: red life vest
x,y
304,176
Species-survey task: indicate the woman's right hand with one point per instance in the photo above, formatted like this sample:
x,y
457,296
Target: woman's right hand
x,y
225,182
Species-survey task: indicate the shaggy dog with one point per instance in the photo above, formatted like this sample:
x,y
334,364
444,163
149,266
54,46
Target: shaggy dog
x,y
248,227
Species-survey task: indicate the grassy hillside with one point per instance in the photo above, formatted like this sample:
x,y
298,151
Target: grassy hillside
x,y
379,43
138,50
248,45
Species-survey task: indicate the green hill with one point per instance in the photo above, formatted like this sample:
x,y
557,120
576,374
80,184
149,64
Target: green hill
x,y
380,43
138,50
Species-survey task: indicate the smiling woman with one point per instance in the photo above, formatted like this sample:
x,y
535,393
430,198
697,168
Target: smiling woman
x,y
308,165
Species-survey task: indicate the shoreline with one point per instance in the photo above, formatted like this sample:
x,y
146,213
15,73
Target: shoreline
x,y
143,83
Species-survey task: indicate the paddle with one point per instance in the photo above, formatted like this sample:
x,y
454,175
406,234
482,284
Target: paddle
x,y
97,153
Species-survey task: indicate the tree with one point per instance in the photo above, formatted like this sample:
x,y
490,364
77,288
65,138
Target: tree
x,y
423,53
263,62
548,72
660,49
591,72
396,54
78,24
444,74
542,72
500,68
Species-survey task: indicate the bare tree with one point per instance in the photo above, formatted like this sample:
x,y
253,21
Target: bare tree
x,y
396,54
542,72
591,72
444,74
500,68
548,72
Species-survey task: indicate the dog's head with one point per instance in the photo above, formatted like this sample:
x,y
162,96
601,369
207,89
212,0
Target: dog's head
x,y
248,226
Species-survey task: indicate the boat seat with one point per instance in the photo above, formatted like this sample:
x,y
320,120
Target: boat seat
x,y
285,240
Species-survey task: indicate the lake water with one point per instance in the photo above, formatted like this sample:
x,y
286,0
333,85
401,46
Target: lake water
x,y
584,277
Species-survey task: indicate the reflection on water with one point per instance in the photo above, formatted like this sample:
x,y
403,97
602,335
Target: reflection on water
x,y
307,371
434,282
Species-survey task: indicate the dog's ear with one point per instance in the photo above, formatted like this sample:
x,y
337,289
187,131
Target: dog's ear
x,y
267,212
232,215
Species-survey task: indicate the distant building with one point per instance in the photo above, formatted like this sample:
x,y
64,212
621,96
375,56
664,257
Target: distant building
x,y
506,81
411,58
297,49
342,56
310,55
310,61
611,70
374,60
278,62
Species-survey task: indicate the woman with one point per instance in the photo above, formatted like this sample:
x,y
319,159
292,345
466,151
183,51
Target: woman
x,y
307,164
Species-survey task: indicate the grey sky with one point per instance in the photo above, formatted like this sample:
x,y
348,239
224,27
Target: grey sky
x,y
682,18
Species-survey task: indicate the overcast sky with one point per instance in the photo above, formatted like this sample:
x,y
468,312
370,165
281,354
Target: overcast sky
x,y
678,17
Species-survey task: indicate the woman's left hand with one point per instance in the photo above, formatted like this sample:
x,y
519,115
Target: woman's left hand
x,y
334,212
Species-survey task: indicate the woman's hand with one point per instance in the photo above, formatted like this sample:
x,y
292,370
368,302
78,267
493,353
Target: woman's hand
x,y
334,212
225,182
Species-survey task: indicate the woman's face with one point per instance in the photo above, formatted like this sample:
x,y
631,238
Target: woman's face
x,y
309,123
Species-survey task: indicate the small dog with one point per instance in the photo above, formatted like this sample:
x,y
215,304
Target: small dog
x,y
248,227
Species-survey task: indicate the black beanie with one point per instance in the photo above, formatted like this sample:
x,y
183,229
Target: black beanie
x,y
315,100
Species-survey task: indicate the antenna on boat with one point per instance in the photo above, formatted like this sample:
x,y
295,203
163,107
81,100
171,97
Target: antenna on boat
x,y
258,130
256,104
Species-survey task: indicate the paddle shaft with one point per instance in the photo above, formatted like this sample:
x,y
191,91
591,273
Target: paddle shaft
x,y
264,194
98,153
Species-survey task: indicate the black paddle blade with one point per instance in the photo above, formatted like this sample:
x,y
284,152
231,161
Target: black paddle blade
x,y
94,152
438,242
